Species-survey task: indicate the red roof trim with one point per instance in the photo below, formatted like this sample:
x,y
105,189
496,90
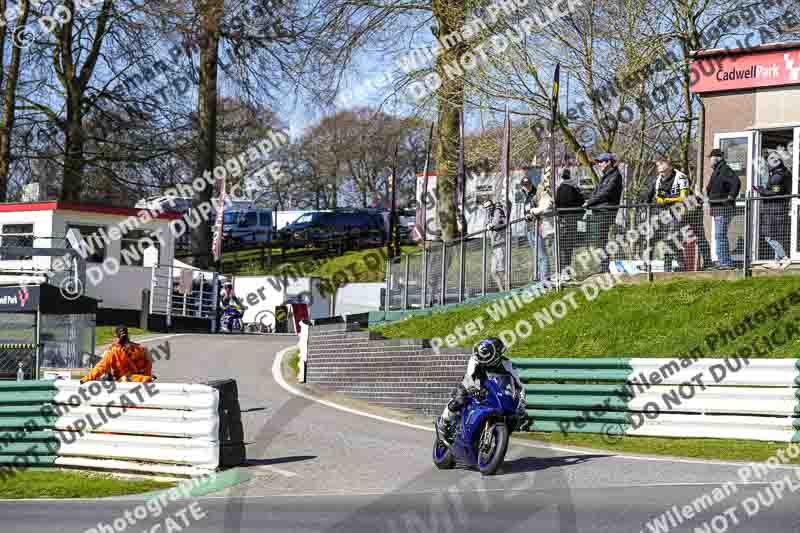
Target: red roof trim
x,y
84,208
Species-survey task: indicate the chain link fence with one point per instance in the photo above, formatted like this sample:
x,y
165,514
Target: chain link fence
x,y
570,245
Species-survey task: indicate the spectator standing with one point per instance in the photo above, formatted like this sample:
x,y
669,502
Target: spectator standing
x,y
545,227
775,211
604,201
670,186
528,203
496,226
722,189
568,196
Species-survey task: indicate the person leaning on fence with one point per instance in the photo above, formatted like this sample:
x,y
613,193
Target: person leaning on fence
x,y
775,211
604,201
568,196
496,224
722,189
528,203
542,214
670,186
124,361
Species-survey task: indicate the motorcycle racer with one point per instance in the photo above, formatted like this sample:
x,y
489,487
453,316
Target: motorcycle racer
x,y
488,356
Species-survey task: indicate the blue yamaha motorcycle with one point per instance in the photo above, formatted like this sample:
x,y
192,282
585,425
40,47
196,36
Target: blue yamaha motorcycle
x,y
486,424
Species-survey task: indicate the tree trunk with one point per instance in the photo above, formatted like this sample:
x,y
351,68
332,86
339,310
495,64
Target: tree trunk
x,y
74,161
450,15
210,13
7,120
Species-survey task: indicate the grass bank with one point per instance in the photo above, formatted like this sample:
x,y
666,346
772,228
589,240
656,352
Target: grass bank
x,y
719,449
358,266
659,319
42,483
105,334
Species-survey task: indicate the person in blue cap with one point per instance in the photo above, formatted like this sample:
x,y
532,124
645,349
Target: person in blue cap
x,y
605,200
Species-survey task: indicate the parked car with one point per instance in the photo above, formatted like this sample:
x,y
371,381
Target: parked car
x,y
358,228
247,225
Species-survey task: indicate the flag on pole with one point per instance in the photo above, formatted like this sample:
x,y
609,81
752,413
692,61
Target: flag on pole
x,y
505,158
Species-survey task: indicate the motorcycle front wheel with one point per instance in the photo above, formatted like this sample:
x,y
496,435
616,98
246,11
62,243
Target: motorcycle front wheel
x,y
493,446
442,455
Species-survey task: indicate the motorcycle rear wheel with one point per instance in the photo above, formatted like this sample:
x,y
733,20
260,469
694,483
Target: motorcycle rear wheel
x,y
490,459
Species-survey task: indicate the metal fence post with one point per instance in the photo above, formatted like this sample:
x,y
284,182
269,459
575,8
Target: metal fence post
x,y
483,263
443,288
557,259
536,247
388,304
405,282
461,266
169,296
748,227
649,257
508,254
424,295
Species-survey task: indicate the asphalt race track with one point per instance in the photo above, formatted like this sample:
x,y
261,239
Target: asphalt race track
x,y
319,469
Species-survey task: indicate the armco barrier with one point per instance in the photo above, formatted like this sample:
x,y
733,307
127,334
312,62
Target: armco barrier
x,y
180,429
730,397
757,399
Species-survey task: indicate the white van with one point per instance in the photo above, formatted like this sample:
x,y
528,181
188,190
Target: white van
x,y
247,225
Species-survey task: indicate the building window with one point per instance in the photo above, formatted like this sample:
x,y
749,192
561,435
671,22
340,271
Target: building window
x,y
16,235
134,245
94,245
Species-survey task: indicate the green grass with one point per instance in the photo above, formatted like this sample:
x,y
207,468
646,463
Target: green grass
x,y
105,334
661,319
721,449
294,362
357,266
40,483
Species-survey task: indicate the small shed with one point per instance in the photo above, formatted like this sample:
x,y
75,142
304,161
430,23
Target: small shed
x,y
41,328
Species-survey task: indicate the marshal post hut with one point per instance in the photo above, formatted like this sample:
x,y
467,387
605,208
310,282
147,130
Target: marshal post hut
x,y
751,100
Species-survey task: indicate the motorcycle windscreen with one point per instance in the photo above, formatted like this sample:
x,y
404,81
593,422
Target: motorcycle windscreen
x,y
504,390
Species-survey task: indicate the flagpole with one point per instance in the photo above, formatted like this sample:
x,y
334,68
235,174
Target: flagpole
x,y
425,218
507,162
462,176
553,179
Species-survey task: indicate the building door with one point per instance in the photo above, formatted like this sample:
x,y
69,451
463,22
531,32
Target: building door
x,y
739,150
795,202
772,224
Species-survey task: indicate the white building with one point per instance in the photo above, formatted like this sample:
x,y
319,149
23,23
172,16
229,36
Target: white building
x,y
45,225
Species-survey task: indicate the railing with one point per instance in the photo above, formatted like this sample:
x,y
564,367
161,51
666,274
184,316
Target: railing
x,y
569,245
183,292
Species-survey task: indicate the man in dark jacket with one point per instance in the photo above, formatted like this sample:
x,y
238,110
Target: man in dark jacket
x,y
605,200
722,189
775,211
568,196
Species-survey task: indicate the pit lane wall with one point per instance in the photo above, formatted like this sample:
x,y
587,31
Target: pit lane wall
x,y
183,429
730,397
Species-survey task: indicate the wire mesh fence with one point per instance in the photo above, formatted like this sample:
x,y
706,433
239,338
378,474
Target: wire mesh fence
x,y
571,245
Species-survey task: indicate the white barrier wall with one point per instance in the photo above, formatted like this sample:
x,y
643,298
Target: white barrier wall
x,y
157,427
264,293
358,298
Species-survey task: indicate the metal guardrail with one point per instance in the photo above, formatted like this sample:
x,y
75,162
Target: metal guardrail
x,y
759,400
737,237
